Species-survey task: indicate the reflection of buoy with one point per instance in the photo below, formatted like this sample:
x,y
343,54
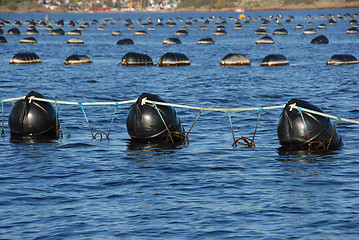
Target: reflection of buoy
x,y
147,124
296,133
33,119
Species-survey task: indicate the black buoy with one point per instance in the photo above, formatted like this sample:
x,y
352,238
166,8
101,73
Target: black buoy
x,y
294,133
125,41
145,124
57,32
33,119
281,31
172,41
234,59
265,40
273,60
77,60
74,32
320,40
25,58
3,39
172,59
13,31
28,40
133,59
342,59
206,41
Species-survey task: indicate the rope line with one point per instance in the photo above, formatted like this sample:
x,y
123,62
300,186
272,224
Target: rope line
x,y
57,122
305,125
330,140
199,113
186,106
88,123
169,132
113,117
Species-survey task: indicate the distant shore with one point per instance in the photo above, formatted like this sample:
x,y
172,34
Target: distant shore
x,y
31,8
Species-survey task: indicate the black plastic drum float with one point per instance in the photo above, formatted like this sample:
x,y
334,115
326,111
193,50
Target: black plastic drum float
x,y
33,119
152,123
151,120
299,129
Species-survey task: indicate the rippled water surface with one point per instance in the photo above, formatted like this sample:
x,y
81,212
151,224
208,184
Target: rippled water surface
x,y
80,188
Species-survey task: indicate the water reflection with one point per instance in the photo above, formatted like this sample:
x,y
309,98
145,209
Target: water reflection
x,y
310,156
153,149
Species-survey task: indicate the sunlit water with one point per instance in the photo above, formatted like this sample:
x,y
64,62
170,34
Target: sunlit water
x,y
79,188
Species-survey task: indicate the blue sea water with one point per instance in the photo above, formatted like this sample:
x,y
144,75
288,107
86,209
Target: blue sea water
x,y
84,188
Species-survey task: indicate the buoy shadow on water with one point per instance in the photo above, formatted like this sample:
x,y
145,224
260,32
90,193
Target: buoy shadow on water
x,y
153,149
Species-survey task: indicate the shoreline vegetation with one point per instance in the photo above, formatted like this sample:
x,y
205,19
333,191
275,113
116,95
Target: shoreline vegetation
x,y
26,7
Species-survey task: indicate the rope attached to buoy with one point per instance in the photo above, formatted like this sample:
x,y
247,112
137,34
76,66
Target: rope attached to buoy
x,y
247,141
168,130
88,123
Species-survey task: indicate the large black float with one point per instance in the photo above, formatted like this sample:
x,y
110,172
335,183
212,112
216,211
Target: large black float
x,y
299,129
31,119
153,123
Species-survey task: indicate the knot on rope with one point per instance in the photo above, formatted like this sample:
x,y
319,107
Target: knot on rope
x,y
247,141
100,133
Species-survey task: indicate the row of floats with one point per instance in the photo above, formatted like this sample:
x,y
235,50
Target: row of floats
x,y
150,122
172,41
171,59
220,31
